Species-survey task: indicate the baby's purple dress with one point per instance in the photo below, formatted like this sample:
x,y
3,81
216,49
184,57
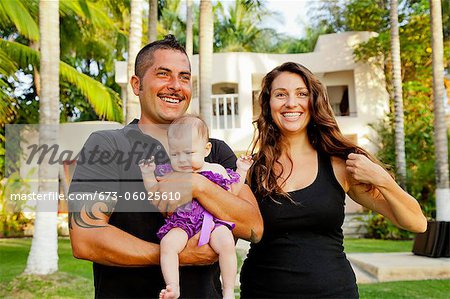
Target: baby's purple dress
x,y
192,217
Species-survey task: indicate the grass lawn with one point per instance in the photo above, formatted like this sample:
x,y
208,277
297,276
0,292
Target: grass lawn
x,y
436,289
373,245
74,279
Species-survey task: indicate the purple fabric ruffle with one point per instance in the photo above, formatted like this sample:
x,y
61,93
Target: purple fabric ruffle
x,y
189,217
220,180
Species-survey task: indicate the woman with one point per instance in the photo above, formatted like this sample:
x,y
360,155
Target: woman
x,y
301,173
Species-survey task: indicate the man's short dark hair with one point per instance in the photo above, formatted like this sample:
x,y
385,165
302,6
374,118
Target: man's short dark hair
x,y
145,56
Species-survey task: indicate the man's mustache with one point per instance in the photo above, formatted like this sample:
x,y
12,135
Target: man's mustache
x,y
173,95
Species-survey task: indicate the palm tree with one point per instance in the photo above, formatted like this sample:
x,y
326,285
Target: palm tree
x,y
152,20
20,16
134,45
400,156
240,29
440,127
170,21
189,30
43,257
206,28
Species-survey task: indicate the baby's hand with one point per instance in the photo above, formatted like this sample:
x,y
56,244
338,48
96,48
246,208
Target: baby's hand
x,y
244,162
147,166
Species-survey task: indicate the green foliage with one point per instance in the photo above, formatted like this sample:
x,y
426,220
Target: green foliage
x,y
92,36
12,219
419,144
90,41
379,227
239,29
17,13
340,16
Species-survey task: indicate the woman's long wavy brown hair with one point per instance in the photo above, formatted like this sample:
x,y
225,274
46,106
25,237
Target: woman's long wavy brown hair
x,y
268,142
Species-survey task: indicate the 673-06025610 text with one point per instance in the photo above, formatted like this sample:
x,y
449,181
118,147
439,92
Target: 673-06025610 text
x,y
141,195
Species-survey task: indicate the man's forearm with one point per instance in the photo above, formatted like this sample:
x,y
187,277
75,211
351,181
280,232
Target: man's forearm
x,y
111,246
242,210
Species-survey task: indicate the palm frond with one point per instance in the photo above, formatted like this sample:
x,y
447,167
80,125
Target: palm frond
x,y
104,100
88,11
7,66
13,12
7,69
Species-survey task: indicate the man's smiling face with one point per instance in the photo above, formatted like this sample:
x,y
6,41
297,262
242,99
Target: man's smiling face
x,y
165,89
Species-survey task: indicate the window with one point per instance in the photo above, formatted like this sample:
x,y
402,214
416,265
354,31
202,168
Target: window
x,y
339,100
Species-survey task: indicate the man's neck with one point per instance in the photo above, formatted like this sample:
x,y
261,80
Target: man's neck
x,y
157,131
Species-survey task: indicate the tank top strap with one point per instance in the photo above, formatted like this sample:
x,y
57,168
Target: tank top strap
x,y
326,172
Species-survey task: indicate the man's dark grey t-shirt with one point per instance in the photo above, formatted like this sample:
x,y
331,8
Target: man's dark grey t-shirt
x,y
109,163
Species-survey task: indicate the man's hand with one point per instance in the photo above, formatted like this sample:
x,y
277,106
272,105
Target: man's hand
x,y
192,254
180,186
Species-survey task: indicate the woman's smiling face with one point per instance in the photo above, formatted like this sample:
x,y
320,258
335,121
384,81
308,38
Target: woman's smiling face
x,y
289,103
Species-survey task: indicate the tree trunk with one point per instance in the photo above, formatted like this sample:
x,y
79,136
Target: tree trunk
x,y
43,257
189,30
440,126
36,76
134,45
152,20
205,60
400,157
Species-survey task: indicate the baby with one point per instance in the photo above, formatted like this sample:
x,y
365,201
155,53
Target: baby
x,y
188,148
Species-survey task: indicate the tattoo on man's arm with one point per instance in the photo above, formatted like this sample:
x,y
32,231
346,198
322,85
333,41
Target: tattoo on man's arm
x,y
89,210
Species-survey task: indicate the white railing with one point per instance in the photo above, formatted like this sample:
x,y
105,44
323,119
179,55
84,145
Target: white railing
x,y
225,111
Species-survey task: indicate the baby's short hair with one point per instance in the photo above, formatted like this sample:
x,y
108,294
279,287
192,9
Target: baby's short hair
x,y
179,126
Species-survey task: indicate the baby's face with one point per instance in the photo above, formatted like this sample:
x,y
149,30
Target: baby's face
x,y
187,154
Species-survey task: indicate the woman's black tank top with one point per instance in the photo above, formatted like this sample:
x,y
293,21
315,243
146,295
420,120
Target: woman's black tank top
x,y
301,252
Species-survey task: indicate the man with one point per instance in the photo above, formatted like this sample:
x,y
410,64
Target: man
x,y
118,232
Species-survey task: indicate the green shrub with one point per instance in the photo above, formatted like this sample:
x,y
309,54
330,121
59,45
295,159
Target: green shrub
x,y
379,227
12,219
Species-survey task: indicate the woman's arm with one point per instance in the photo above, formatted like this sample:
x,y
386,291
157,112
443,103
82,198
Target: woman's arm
x,y
387,198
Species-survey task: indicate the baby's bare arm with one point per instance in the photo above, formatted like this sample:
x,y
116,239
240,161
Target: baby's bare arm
x,y
243,164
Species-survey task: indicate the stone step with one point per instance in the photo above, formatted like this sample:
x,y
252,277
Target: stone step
x,y
363,276
401,266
